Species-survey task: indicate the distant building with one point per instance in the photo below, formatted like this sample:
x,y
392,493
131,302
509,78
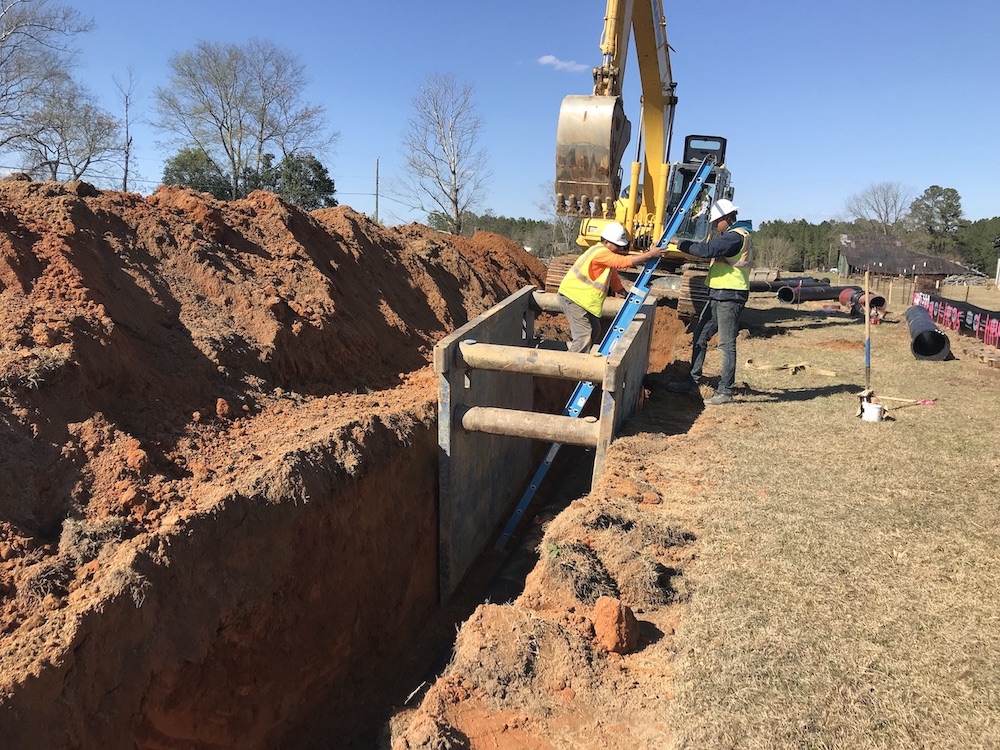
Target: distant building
x,y
888,256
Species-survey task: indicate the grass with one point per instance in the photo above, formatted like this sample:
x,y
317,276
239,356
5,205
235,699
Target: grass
x,y
847,590
986,297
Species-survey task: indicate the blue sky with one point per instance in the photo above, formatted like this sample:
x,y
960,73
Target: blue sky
x,y
818,100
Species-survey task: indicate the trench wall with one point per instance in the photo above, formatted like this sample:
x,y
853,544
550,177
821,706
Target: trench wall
x,y
278,618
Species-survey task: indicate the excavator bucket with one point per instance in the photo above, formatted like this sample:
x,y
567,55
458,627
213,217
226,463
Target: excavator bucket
x,y
590,141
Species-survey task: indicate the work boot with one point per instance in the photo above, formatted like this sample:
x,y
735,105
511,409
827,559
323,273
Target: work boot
x,y
683,386
720,398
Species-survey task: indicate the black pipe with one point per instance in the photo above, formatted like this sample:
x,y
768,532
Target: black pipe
x,y
967,314
926,341
757,285
794,294
855,300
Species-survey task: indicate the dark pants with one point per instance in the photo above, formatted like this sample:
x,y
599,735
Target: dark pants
x,y
722,316
584,327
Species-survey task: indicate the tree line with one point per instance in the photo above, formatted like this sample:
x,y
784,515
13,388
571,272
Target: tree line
x,y
931,223
542,238
235,114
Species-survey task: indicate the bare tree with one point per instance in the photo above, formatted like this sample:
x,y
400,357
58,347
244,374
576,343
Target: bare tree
x,y
238,104
565,229
884,205
775,252
446,171
126,93
35,49
71,133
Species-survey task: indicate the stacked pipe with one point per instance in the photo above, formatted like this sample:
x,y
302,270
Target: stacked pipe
x,y
926,341
773,285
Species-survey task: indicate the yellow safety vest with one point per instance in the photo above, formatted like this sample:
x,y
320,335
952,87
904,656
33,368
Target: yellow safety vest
x,y
581,289
734,272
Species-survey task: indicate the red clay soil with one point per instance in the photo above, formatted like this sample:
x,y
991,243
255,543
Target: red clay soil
x,y
218,491
215,417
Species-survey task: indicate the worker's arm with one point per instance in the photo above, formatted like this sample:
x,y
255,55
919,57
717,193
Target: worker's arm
x,y
726,245
607,259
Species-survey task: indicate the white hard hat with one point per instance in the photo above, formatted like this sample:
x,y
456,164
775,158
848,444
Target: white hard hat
x,y
721,208
615,234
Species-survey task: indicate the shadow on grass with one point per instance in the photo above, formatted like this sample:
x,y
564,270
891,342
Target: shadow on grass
x,y
649,634
800,394
778,321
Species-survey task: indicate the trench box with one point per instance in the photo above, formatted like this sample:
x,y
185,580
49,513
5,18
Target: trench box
x,y
483,474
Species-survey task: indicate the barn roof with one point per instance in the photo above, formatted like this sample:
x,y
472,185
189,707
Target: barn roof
x,y
888,254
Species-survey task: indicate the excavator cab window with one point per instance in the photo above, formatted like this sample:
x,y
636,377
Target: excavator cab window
x,y
695,225
697,147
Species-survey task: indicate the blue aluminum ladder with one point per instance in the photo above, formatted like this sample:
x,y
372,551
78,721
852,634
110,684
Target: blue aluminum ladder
x,y
637,295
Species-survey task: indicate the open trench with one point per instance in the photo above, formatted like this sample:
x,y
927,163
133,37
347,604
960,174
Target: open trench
x,y
219,524
296,609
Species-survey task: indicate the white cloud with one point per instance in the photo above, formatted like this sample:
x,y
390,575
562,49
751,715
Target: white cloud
x,y
568,66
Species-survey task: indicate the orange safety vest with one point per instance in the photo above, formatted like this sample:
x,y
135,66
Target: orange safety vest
x,y
577,285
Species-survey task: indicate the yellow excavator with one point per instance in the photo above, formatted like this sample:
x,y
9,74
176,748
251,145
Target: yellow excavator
x,y
594,132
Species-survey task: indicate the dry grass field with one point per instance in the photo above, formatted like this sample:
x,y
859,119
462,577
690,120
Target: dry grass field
x,y
800,577
847,591
986,297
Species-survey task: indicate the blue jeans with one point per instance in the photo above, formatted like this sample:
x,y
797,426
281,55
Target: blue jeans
x,y
722,316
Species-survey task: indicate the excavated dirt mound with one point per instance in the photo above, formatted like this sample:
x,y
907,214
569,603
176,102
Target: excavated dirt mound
x,y
215,417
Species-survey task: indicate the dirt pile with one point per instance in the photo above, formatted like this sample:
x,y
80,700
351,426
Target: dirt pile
x,y
568,664
193,395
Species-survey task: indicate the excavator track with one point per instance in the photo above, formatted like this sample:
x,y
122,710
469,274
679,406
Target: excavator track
x,y
694,294
558,266
685,287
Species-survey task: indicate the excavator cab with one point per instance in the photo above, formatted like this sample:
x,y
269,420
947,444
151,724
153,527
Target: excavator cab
x,y
696,225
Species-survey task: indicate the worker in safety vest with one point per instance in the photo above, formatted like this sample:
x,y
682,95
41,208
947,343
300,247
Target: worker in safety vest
x,y
729,289
587,284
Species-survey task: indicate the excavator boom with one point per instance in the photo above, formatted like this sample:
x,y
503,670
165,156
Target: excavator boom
x,y
594,132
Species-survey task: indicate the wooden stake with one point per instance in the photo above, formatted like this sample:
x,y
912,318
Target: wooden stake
x,y
868,338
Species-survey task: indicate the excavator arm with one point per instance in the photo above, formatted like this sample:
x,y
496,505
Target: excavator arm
x,y
594,132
